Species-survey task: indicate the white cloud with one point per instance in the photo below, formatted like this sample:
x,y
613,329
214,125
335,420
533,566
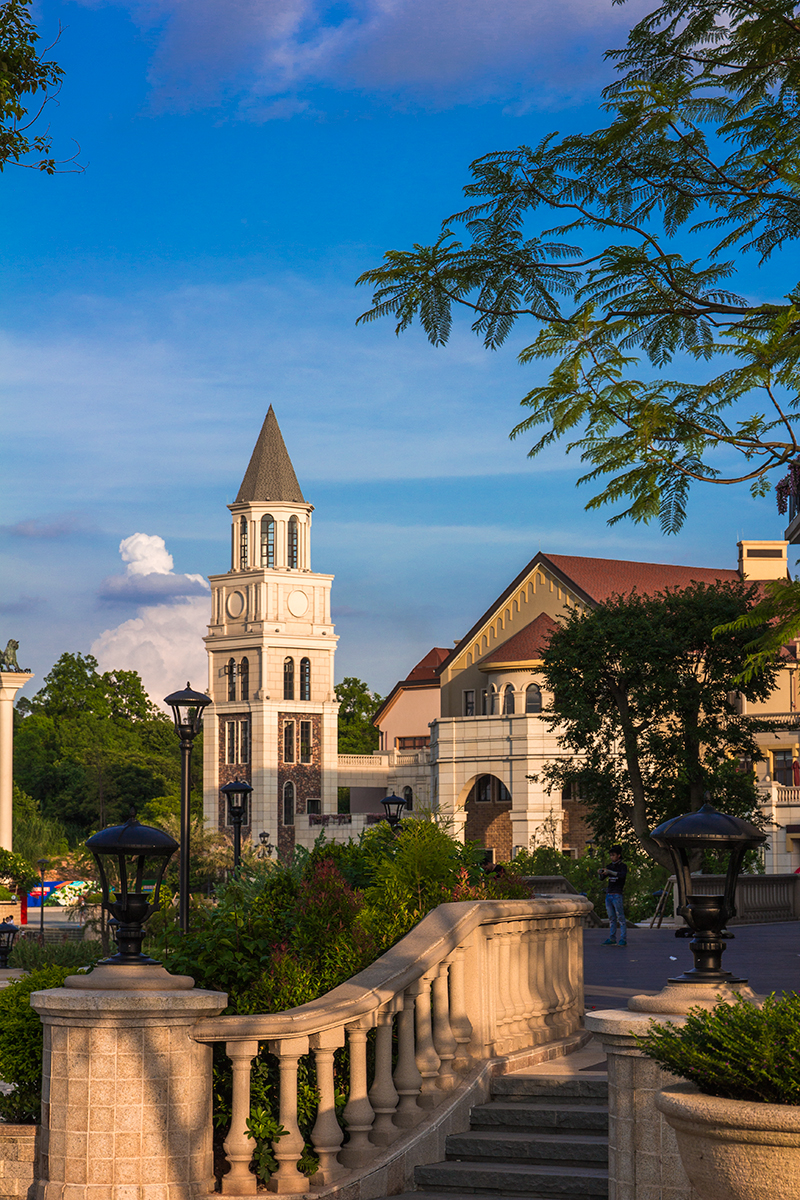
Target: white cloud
x,y
163,643
149,574
441,52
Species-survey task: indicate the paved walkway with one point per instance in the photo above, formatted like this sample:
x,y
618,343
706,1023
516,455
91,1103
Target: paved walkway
x,y
767,955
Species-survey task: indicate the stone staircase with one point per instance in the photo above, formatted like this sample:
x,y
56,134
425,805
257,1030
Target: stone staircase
x,y
541,1137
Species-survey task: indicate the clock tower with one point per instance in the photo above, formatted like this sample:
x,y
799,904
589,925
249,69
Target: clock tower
x,y
271,647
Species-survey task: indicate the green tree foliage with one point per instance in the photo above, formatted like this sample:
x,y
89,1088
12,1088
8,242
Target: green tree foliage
x,y
27,82
90,746
36,836
621,246
358,705
642,695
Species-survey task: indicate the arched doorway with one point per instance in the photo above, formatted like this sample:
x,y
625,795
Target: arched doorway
x,y
488,809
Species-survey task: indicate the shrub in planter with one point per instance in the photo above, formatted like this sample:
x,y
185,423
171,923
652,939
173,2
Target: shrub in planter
x,y
736,1050
737,1123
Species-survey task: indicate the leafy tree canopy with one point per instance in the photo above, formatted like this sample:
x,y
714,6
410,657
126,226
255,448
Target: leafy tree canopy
x,y
27,82
90,746
358,705
642,697
622,247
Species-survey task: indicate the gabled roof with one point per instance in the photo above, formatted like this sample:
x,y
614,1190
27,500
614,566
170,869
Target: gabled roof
x,y
594,580
424,675
526,646
601,578
426,667
270,474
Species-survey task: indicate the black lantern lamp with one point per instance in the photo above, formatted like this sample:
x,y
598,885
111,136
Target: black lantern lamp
x,y
707,916
129,847
393,807
8,935
237,795
187,712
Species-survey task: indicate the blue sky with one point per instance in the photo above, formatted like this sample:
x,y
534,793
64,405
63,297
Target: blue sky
x,y
245,161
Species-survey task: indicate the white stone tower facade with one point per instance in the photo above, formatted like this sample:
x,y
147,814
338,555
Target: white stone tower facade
x,y
271,647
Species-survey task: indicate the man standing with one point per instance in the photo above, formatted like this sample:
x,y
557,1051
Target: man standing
x,y
616,873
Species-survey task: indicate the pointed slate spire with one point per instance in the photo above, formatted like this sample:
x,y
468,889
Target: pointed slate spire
x,y
270,474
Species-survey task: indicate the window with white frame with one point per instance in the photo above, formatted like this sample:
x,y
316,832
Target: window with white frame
x,y
237,741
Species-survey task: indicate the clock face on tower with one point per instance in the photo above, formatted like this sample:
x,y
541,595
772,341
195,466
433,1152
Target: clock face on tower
x,y
297,603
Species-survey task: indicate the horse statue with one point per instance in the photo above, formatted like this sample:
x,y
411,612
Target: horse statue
x,y
8,657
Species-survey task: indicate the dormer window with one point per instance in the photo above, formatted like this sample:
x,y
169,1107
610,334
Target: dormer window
x,y
268,541
291,546
243,556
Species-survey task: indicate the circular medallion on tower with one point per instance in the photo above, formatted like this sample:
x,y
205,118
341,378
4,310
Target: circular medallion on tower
x,y
297,603
234,605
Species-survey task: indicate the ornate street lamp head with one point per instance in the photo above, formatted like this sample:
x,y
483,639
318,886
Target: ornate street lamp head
x,y
393,807
707,916
237,795
122,851
187,711
8,935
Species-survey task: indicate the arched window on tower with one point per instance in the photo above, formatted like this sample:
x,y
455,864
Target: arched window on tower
x,y
508,699
243,560
408,796
288,679
244,679
305,678
533,698
231,678
288,803
494,699
268,541
291,548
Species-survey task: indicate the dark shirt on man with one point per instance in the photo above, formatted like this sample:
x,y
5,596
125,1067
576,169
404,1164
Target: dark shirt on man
x,y
616,874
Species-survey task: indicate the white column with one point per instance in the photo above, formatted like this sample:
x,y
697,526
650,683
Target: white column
x,y
10,683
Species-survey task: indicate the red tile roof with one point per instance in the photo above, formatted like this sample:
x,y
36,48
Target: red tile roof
x,y
426,667
526,645
601,578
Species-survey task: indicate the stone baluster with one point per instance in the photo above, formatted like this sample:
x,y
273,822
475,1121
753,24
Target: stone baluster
x,y
407,1079
239,1146
428,1061
537,1022
525,973
505,1009
358,1114
550,968
460,1023
514,987
443,1039
327,1135
383,1095
288,1149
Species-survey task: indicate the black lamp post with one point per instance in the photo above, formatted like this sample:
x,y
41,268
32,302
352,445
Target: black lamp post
x,y
393,807
42,864
237,795
707,916
187,712
125,849
8,935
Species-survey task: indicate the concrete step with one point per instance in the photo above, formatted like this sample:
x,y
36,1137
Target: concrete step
x,y
541,1116
565,1090
527,1147
541,1180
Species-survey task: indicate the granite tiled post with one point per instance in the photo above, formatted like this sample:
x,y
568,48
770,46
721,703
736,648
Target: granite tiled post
x,y
126,1097
643,1158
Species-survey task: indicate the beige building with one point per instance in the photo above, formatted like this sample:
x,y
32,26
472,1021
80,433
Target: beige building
x,y
463,733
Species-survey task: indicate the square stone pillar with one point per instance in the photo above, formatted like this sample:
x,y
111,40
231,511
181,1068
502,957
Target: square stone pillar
x,y
126,1092
643,1158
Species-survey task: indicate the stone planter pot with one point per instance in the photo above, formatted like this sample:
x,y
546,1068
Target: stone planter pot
x,y
734,1149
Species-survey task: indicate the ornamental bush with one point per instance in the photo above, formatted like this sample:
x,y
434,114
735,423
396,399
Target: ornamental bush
x,y
21,1044
739,1051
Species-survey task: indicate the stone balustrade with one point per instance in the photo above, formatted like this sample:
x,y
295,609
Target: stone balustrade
x,y
473,981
